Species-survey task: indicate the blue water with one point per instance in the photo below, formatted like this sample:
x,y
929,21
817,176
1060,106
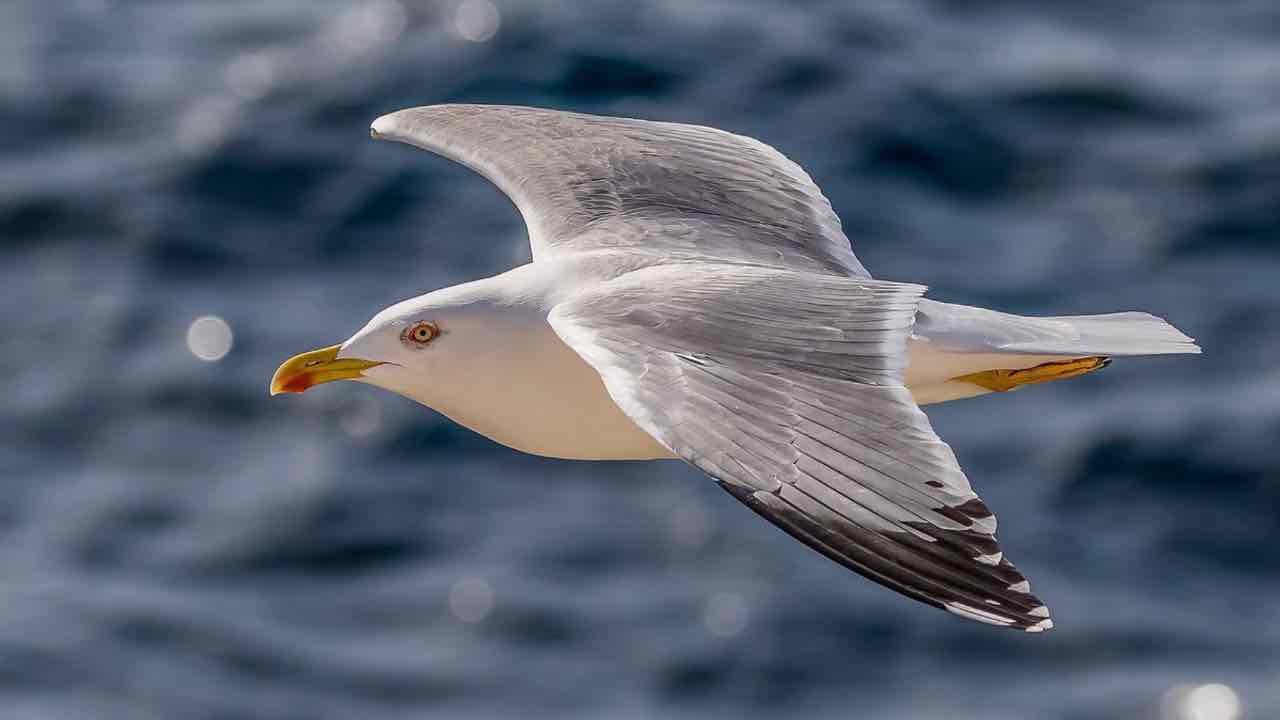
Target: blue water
x,y
175,544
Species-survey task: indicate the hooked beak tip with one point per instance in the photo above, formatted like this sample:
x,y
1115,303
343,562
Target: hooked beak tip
x,y
308,369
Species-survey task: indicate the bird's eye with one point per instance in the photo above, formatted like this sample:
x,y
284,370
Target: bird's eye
x,y
420,333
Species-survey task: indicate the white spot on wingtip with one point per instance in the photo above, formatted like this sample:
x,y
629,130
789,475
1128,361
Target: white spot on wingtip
x,y
985,524
1022,587
1041,626
990,559
1041,611
973,613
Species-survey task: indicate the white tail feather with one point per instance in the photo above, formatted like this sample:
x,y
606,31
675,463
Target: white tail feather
x,y
953,341
964,329
1114,334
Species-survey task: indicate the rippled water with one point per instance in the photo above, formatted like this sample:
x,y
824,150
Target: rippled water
x,y
174,544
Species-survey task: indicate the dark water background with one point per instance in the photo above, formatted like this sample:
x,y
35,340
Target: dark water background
x,y
175,544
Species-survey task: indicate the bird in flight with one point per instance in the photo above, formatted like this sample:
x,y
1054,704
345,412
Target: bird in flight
x,y
692,296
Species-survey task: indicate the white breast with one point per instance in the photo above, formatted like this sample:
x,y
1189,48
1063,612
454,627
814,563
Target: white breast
x,y
530,392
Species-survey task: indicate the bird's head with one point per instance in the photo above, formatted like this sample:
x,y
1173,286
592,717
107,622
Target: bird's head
x,y
412,348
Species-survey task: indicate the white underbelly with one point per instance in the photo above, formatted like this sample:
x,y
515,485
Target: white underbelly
x,y
552,403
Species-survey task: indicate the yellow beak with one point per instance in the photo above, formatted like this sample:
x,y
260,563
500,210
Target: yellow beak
x,y
317,367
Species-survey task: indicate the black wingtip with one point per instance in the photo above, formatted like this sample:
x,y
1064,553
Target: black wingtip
x,y
995,594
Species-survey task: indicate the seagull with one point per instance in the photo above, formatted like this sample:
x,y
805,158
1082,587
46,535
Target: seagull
x,y
692,296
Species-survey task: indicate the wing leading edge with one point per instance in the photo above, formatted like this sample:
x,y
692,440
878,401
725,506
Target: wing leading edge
x,y
590,182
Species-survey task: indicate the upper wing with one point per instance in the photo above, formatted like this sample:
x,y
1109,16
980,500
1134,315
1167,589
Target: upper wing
x,y
584,182
787,389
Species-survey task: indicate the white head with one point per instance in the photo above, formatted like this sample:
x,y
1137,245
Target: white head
x,y
426,348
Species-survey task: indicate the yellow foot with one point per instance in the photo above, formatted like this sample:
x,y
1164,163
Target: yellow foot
x,y
1002,380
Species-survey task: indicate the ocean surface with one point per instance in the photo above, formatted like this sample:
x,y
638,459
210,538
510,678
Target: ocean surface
x,y
176,544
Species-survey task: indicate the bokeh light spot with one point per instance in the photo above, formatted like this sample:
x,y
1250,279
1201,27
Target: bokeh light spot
x,y
205,125
361,418
1212,701
690,525
477,20
725,614
251,75
369,25
209,338
471,599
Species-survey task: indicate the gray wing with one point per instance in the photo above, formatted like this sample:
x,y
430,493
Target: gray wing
x,y
586,182
787,389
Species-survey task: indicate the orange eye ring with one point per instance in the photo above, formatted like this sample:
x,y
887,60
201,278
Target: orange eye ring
x,y
419,333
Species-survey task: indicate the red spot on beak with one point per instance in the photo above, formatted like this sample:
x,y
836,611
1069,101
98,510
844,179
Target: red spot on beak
x,y
297,383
